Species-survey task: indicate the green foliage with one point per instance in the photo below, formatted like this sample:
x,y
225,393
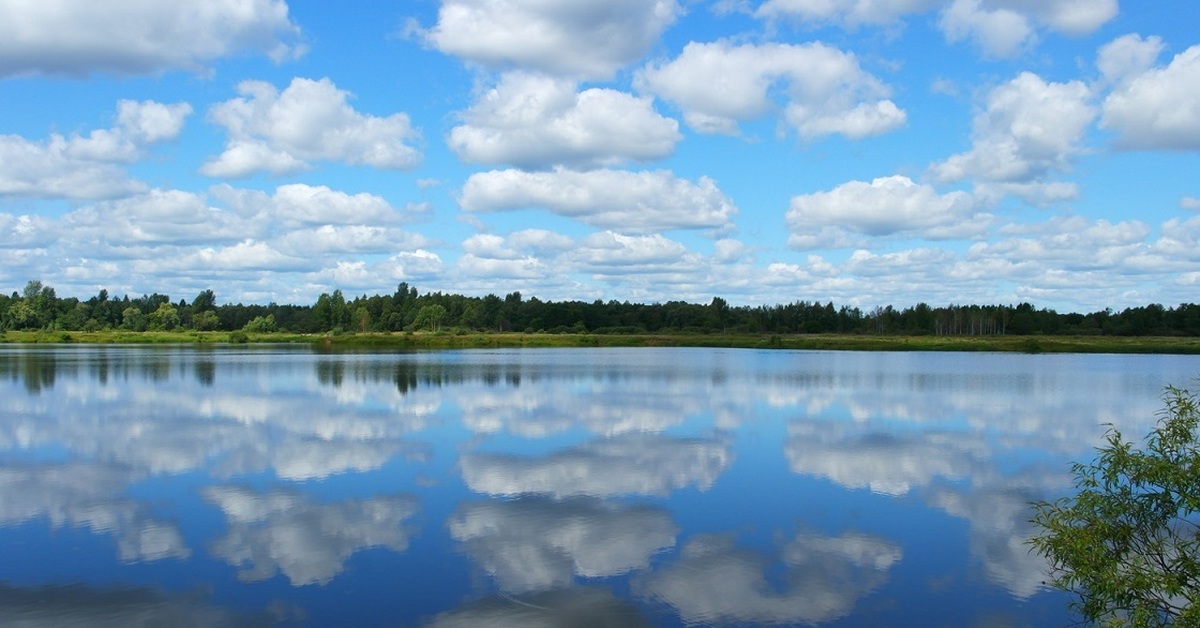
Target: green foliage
x,y
205,321
164,318
430,317
133,319
1126,543
261,325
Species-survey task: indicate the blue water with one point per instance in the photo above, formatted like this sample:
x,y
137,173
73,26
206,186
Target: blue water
x,y
615,487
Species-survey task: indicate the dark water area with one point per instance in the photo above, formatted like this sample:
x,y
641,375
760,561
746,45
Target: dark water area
x,y
276,486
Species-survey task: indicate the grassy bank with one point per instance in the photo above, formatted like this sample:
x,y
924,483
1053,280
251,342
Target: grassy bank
x,y
451,340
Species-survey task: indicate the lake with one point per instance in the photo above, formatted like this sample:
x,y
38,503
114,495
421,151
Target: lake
x,y
272,485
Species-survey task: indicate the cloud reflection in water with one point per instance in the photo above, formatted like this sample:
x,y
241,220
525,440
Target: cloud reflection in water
x,y
282,531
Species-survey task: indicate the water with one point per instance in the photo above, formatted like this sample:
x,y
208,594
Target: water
x,y
611,487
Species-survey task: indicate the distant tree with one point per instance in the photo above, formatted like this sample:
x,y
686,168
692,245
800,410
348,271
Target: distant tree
x,y
164,317
133,319
205,321
430,317
204,302
261,325
1127,544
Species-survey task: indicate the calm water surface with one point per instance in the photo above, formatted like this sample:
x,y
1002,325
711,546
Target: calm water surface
x,y
610,487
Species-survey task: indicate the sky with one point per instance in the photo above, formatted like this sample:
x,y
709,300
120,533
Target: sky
x,y
864,152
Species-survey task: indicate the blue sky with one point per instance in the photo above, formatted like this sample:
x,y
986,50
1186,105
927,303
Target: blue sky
x,y
865,152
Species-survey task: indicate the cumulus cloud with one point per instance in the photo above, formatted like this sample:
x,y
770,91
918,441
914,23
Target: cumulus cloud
x,y
88,166
824,91
849,13
88,495
636,464
1005,28
536,121
1155,108
603,408
1000,531
283,132
880,462
715,582
279,531
532,544
586,39
1028,130
885,206
1128,57
156,217
633,202
139,36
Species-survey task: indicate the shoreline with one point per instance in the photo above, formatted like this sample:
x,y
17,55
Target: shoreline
x,y
481,340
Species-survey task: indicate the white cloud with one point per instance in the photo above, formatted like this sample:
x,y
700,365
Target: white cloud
x,y
635,464
279,531
715,582
824,90
1157,109
26,231
411,266
88,495
1029,129
614,199
536,121
850,13
606,251
347,239
1000,32
885,206
1005,28
245,255
74,38
1127,57
88,167
320,205
533,544
156,217
282,132
581,39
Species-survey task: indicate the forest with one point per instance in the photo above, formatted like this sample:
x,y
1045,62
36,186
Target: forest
x,y
37,306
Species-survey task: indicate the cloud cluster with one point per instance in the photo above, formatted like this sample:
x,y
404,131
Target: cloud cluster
x,y
280,531
1029,130
636,464
633,202
883,207
309,121
139,36
89,166
537,121
587,39
825,90
534,544
1151,107
1004,28
715,582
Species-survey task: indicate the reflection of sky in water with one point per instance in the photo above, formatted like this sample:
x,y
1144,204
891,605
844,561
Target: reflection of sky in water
x,y
273,485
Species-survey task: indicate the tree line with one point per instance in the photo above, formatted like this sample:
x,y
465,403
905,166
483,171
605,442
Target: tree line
x,y
39,307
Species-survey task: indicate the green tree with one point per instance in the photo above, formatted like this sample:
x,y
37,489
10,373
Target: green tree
x,y
261,324
430,317
164,317
133,319
205,321
1126,543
